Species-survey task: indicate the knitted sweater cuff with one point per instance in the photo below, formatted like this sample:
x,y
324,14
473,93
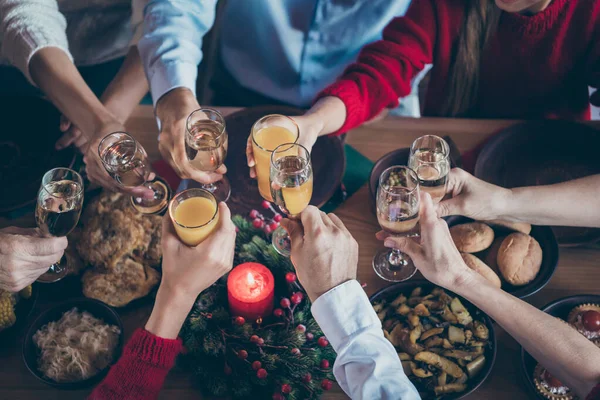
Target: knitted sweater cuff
x,y
153,350
348,92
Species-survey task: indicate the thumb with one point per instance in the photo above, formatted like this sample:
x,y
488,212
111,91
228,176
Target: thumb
x,y
451,206
405,245
294,230
65,123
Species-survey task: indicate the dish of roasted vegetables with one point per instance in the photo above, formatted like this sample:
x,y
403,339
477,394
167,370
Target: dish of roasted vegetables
x,y
441,345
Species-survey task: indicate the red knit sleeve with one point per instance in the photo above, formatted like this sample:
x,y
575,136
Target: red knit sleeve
x,y
140,372
384,69
593,62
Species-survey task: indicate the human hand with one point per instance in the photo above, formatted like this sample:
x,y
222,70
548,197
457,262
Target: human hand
x,y
436,255
473,197
324,252
173,110
72,135
25,255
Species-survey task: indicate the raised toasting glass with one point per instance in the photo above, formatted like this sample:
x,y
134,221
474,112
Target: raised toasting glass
x,y
127,163
398,214
206,144
195,215
267,133
57,212
291,187
430,159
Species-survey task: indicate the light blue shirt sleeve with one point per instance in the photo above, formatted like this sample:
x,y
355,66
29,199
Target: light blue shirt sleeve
x,y
171,42
367,365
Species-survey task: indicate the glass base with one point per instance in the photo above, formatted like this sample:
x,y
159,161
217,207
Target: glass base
x,y
157,204
55,273
403,269
281,242
220,189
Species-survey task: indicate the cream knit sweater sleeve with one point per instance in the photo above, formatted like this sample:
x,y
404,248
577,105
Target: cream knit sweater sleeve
x,y
27,26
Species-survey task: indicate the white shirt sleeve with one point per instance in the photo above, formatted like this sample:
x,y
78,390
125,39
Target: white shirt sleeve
x,y
27,26
367,365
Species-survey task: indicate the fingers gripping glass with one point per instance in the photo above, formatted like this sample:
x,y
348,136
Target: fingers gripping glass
x,y
398,214
206,144
127,163
57,212
430,159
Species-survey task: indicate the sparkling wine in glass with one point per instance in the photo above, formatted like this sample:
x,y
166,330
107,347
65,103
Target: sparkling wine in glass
x,y
291,179
127,163
397,214
206,144
57,212
430,159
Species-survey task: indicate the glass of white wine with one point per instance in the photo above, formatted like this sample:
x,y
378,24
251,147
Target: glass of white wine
x,y
126,162
291,178
398,215
430,159
206,144
57,212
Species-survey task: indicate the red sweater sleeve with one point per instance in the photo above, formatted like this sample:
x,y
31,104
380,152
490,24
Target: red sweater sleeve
x,y
384,69
140,372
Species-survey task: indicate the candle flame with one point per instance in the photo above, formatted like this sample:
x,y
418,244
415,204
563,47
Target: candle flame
x,y
250,279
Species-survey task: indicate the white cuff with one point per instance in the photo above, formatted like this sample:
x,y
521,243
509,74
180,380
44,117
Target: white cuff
x,y
165,77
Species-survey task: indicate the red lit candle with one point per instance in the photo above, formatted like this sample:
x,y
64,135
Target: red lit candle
x,y
250,290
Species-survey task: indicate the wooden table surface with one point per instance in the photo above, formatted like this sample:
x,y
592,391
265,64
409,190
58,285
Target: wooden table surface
x,y
578,270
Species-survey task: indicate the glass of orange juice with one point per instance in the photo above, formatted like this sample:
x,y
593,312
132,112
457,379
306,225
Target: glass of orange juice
x,y
291,181
195,215
267,133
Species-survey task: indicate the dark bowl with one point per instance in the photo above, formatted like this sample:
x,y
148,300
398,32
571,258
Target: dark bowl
x,y
406,287
23,311
94,307
558,308
549,245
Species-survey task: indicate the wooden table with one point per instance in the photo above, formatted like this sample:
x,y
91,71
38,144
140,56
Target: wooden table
x,y
578,270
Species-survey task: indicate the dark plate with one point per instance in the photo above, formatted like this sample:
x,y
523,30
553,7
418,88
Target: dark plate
x,y
328,161
558,308
547,241
30,130
23,311
406,287
542,153
94,307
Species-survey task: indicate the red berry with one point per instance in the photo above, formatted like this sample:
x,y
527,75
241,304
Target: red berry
x,y
277,218
265,204
307,378
260,342
258,223
256,365
261,373
278,312
278,396
227,370
301,328
290,277
324,364
326,384
285,302
242,354
591,320
309,336
239,321
297,298
273,226
295,351
237,229
254,339
286,388
323,342
550,380
268,229
254,214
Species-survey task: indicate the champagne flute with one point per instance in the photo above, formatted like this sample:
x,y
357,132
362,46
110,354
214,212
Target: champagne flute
x,y
195,214
206,144
291,180
398,214
57,212
430,159
126,162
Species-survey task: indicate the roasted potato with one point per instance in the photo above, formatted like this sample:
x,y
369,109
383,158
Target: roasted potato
x,y
440,362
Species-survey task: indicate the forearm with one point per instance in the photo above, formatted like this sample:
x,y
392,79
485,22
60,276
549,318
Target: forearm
x,y
169,313
328,114
567,354
573,203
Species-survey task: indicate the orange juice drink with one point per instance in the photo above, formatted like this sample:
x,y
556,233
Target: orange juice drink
x,y
194,213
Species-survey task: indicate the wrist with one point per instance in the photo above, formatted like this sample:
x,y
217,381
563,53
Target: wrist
x,y
175,105
463,279
169,313
504,204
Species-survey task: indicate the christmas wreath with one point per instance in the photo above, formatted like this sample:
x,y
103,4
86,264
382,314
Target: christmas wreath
x,y
282,356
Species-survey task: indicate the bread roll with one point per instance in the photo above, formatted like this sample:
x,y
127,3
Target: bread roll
x,y
522,227
472,237
479,266
491,258
519,259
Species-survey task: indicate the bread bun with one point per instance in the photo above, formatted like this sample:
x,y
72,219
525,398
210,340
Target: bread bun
x,y
522,227
479,266
519,259
491,258
472,237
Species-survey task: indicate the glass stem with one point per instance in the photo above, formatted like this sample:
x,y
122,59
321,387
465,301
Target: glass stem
x,y
211,187
397,259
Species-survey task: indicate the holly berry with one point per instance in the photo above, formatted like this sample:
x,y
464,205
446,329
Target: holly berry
x,y
277,218
290,277
591,320
285,302
301,328
261,373
324,364
295,351
258,223
309,336
278,396
326,384
227,370
254,214
297,298
256,365
273,225
286,388
265,204
260,342
278,312
307,378
254,339
323,342
550,380
242,354
239,321
268,229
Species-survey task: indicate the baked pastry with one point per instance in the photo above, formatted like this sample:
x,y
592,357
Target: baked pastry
x,y
472,237
550,387
586,319
491,257
519,259
479,266
127,281
522,227
149,251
